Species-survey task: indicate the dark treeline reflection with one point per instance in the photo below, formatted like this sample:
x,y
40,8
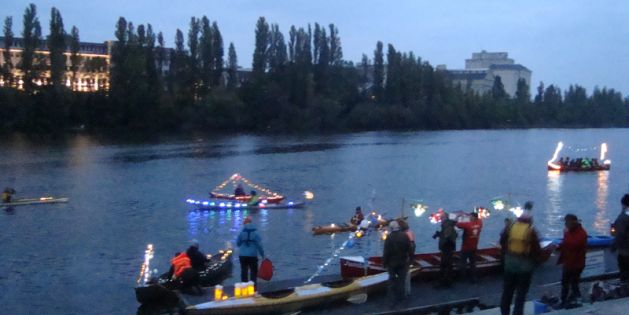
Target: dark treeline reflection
x,y
298,82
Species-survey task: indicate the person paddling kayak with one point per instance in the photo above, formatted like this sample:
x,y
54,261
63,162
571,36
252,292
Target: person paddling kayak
x,y
7,194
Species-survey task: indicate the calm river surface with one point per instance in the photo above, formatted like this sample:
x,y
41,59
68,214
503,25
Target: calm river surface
x,y
83,257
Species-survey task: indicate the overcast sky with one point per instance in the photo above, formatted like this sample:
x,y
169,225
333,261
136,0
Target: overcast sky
x,y
561,41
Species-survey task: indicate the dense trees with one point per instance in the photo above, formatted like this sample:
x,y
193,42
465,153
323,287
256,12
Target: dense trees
x,y
298,82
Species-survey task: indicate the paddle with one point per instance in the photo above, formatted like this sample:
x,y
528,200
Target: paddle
x,y
358,298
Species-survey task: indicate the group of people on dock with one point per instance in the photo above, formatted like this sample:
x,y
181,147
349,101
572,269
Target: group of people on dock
x,y
583,163
521,255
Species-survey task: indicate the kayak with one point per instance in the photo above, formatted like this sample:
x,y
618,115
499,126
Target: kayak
x,y
294,299
220,205
487,260
217,269
33,201
345,227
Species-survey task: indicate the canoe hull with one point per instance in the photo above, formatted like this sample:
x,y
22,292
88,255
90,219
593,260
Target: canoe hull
x,y
487,261
34,201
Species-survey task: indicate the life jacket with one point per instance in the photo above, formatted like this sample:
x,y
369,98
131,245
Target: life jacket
x,y
6,197
519,240
180,264
254,201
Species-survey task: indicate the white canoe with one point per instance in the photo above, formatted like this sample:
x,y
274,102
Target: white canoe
x,y
33,201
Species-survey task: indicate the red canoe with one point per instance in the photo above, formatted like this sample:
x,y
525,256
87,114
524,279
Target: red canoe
x,y
487,261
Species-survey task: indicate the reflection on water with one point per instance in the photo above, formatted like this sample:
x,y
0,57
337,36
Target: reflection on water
x,y
553,215
601,221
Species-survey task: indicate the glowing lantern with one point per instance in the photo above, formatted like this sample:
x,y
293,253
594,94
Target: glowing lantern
x,y
308,195
218,292
251,290
238,290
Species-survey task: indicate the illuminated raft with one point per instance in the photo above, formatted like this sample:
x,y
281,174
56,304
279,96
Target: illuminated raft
x,y
554,164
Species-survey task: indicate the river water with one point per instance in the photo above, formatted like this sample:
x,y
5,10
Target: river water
x,y
84,256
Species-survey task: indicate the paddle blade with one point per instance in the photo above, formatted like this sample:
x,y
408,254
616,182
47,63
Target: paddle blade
x,y
358,298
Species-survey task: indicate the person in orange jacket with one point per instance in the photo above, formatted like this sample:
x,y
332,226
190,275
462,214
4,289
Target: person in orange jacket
x,y
180,263
572,256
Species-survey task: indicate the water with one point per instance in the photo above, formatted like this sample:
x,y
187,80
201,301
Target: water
x,y
84,256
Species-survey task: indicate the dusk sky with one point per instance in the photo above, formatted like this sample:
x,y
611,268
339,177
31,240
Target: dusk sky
x,y
561,42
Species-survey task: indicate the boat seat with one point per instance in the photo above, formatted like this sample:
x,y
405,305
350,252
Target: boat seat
x,y
423,263
489,258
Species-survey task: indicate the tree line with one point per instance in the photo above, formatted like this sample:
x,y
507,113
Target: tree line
x,y
297,83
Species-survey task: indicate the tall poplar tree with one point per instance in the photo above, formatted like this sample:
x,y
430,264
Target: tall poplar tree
x,y
7,67
378,72
206,55
232,67
217,55
75,58
31,35
261,46
57,48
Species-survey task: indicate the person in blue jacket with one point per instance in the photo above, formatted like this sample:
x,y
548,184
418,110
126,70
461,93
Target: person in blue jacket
x,y
249,246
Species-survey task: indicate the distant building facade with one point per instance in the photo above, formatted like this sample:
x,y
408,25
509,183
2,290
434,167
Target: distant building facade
x,y
483,68
92,74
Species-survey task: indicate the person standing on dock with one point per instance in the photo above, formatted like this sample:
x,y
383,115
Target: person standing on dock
x,y
471,235
249,246
404,227
396,257
572,255
621,241
447,244
521,258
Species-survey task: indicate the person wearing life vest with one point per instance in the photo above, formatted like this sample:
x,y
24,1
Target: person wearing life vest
x,y
471,234
7,194
572,257
249,246
358,217
621,239
255,199
521,258
180,263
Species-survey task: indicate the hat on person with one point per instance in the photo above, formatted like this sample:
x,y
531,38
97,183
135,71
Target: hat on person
x,y
194,243
247,220
570,217
528,205
358,209
625,200
394,226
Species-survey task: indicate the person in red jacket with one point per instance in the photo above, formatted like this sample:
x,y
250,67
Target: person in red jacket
x,y
471,235
572,256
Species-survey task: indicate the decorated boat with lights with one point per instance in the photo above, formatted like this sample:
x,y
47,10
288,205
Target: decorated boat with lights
x,y
228,205
580,164
377,222
294,299
265,194
153,289
33,201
